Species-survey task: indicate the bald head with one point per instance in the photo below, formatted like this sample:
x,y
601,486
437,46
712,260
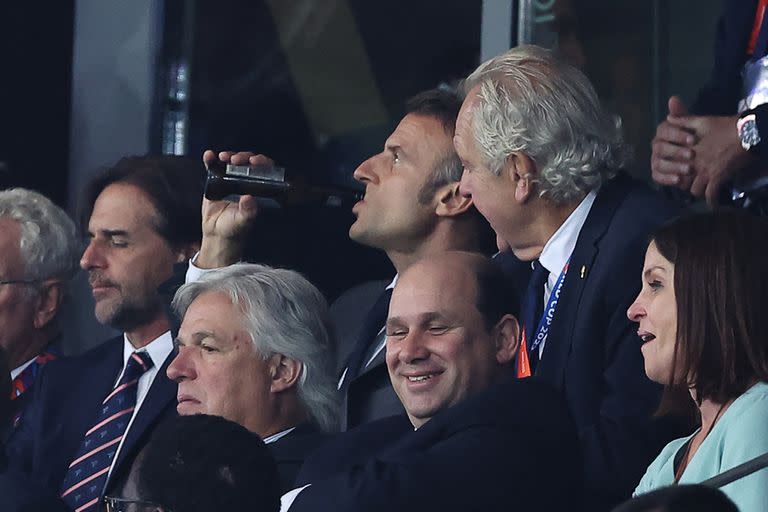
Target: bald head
x,y
451,332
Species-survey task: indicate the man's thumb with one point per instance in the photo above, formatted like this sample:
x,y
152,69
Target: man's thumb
x,y
677,107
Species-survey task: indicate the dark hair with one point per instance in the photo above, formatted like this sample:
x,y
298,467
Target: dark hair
x,y
720,283
202,463
496,295
442,104
174,185
680,498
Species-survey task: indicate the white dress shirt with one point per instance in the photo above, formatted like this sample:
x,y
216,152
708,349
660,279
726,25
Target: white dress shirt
x,y
558,249
17,371
158,350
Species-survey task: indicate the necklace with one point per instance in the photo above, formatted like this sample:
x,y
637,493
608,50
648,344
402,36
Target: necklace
x,y
684,461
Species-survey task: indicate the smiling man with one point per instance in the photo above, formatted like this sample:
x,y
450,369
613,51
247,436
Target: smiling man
x,y
467,439
255,348
89,415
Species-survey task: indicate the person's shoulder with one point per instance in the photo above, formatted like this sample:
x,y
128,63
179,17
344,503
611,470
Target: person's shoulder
x,y
749,415
354,446
64,366
637,203
520,403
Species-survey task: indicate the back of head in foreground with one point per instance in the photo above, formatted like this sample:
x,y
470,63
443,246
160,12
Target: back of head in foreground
x,y
203,463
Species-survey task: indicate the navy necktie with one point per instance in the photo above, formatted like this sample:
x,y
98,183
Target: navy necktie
x,y
533,306
87,474
374,321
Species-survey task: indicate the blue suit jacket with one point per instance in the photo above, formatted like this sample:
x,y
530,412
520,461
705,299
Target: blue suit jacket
x,y
511,447
592,353
63,406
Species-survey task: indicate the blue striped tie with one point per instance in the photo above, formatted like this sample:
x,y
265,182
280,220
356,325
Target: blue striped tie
x,y
87,474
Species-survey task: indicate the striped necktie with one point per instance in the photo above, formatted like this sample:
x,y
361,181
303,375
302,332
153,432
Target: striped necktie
x,y
87,474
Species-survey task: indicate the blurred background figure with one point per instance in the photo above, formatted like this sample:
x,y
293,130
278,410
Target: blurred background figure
x,y
38,256
702,323
200,463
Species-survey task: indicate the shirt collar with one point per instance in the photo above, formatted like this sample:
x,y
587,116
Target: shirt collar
x,y
279,435
17,371
158,349
559,247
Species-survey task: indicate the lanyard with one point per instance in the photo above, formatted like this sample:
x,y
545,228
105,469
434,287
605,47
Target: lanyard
x,y
549,311
523,366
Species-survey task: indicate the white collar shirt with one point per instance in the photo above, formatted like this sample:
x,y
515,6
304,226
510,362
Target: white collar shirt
x,y
558,249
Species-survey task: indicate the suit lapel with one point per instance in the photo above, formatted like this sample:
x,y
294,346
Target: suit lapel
x,y
377,361
96,382
558,346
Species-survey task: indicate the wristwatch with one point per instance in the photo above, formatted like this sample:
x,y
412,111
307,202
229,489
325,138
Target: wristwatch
x,y
747,128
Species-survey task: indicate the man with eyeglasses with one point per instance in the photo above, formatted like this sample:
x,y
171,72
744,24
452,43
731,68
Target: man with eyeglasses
x,y
38,255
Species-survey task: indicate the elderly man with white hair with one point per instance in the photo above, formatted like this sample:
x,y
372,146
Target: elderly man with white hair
x,y
38,255
255,347
543,164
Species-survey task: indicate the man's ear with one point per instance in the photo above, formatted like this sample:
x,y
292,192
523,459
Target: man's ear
x,y
450,202
521,169
284,372
48,301
506,333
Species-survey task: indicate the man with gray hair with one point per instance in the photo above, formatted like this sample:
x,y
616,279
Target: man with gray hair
x,y
543,164
255,347
38,255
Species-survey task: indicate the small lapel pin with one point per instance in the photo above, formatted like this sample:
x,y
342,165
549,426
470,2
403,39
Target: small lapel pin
x,y
583,272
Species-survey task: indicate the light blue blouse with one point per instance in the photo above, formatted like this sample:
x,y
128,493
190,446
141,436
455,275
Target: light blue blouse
x,y
740,435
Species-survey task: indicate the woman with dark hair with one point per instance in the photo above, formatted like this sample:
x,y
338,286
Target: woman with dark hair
x,y
703,323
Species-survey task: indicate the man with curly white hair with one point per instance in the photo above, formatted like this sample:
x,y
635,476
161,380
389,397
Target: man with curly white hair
x,y
543,164
38,255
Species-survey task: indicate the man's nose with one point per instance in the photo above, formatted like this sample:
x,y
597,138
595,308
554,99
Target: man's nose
x,y
412,349
91,257
181,368
366,172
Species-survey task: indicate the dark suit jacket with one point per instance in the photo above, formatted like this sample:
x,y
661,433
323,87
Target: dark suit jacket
x,y
370,395
512,447
290,451
19,494
592,353
63,406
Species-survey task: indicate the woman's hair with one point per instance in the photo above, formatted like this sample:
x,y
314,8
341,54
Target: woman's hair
x,y
721,291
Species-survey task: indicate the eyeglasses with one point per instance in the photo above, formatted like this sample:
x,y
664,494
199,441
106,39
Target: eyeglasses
x,y
113,504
